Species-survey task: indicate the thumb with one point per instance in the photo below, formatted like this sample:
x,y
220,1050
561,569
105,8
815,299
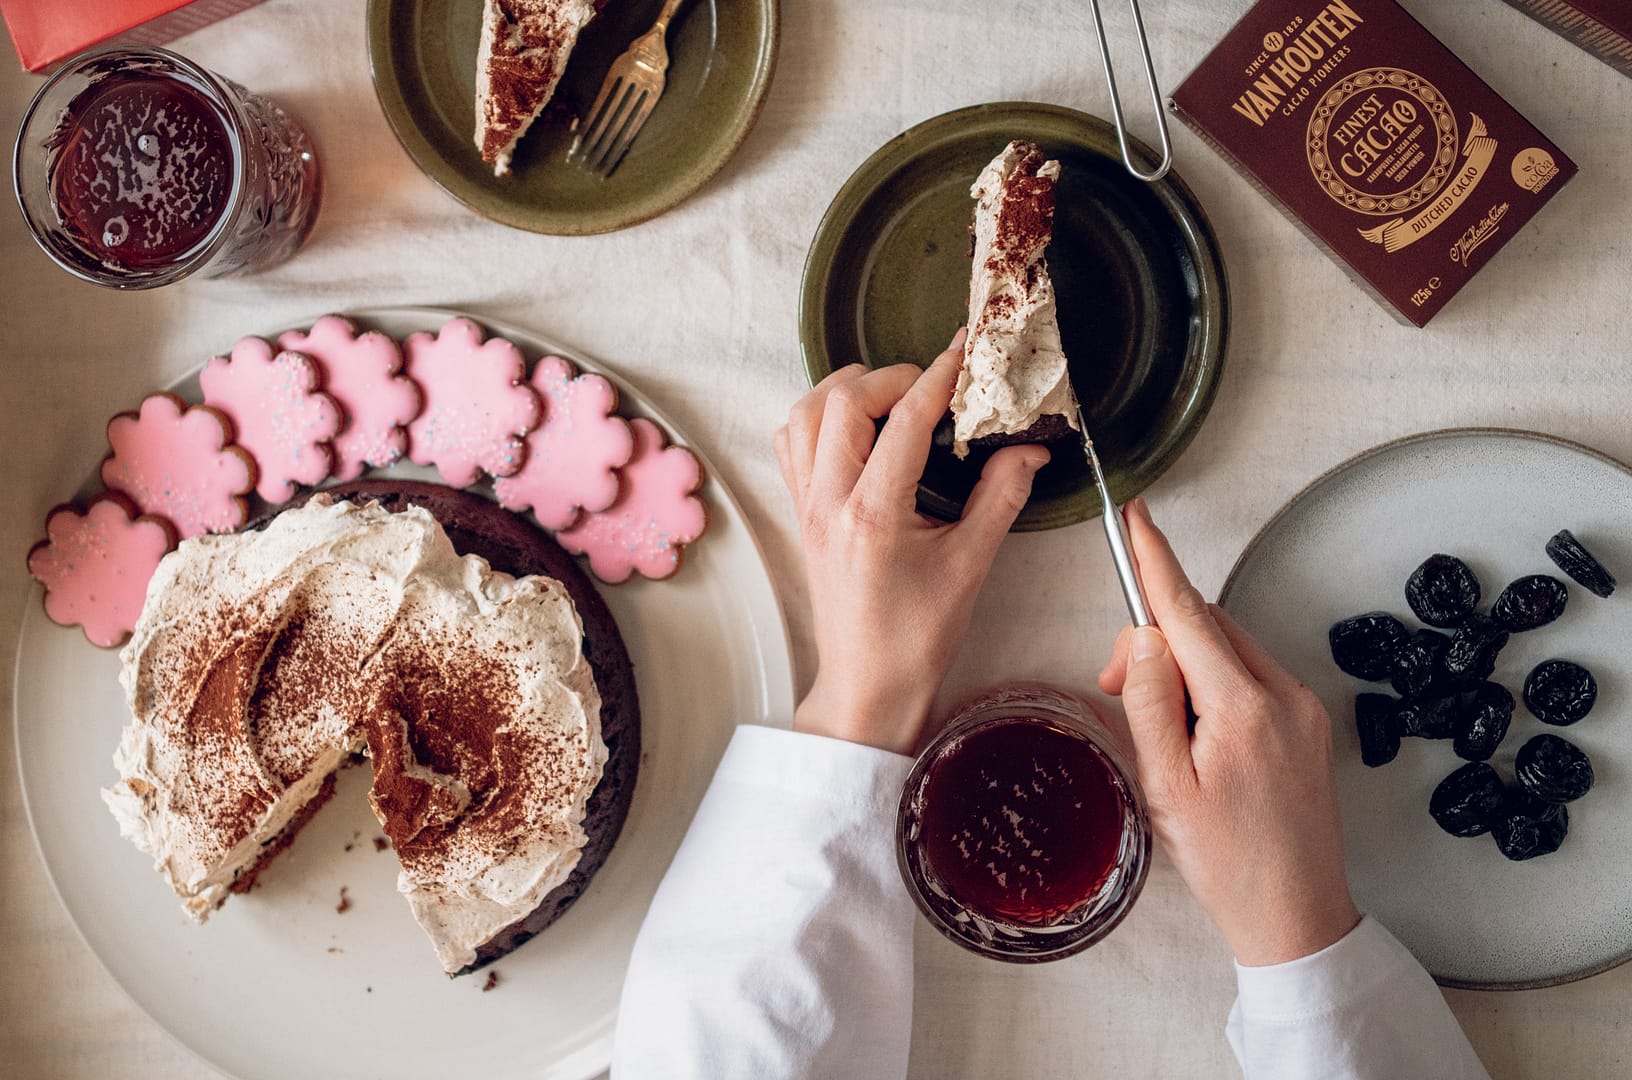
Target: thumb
x,y
1153,697
1004,487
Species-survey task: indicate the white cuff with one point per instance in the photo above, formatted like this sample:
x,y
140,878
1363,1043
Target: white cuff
x,y
1365,960
815,767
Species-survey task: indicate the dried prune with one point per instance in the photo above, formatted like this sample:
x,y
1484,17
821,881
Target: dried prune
x,y
1474,646
1530,602
1376,721
1442,591
1483,723
1559,692
1418,663
1430,718
1469,801
1529,827
1553,769
1364,646
1575,560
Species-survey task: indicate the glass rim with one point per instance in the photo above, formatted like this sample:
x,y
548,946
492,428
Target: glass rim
x,y
1043,944
220,96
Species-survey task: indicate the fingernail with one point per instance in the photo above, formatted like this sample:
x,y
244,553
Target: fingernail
x,y
962,332
1137,505
1148,643
1036,461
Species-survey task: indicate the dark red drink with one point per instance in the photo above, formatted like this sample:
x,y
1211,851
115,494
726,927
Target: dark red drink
x,y
144,172
136,168
1022,821
1023,835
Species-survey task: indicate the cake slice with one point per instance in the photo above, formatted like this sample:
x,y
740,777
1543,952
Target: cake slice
x,y
522,54
1014,386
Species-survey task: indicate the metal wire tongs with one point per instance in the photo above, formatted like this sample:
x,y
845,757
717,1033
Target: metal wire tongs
x,y
1116,533
1116,103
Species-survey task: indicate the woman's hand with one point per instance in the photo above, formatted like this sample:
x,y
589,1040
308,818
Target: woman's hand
x,y
1247,807
891,593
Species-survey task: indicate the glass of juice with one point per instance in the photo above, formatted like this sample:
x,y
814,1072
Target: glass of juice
x,y
1023,834
136,168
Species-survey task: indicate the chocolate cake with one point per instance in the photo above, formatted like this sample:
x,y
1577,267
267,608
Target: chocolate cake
x,y
520,58
477,526
450,642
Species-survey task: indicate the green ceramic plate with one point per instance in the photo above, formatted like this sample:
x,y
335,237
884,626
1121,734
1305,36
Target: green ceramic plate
x,y
1143,303
423,57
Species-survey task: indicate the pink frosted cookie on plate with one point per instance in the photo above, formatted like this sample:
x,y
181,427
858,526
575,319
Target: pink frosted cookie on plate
x,y
178,462
95,566
363,373
655,515
478,407
574,455
278,412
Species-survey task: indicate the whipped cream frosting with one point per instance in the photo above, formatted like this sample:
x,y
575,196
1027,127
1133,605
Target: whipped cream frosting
x,y
263,661
1014,368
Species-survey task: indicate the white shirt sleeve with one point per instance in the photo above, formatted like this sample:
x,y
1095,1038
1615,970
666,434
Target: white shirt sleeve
x,y
1360,1009
780,942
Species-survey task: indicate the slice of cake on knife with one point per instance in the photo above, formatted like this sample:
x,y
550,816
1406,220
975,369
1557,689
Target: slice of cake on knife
x,y
522,55
1014,386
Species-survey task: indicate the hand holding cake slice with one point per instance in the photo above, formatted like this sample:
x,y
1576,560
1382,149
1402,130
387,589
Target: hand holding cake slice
x,y
1014,386
522,55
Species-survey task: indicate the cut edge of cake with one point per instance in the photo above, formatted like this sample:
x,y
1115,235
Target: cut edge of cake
x,y
1014,385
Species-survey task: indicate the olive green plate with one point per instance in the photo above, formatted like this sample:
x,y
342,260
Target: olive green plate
x,y
423,57
1143,303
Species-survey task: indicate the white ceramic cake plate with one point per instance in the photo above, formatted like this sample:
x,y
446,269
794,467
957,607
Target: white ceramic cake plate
x,y
279,984
1346,545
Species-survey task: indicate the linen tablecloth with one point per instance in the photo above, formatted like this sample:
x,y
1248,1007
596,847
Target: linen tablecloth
x,y
698,308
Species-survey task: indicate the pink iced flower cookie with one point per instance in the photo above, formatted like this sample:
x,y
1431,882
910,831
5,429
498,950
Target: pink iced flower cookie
x,y
95,566
478,407
363,373
177,462
655,514
574,455
281,417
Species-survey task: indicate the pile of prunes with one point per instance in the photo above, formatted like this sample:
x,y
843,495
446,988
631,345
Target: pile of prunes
x,y
1442,679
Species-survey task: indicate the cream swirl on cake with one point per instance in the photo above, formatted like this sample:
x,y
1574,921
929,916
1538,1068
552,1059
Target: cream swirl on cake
x,y
1014,372
264,661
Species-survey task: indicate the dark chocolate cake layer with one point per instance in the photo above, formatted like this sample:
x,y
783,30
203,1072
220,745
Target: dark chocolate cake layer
x,y
478,526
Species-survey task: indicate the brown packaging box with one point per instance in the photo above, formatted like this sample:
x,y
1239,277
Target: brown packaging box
x,y
1602,27
1380,143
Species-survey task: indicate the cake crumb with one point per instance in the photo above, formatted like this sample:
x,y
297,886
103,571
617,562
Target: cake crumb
x,y
345,902
381,844
492,981
336,949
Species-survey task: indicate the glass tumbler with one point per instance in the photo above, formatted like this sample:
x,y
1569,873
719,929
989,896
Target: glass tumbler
x,y
135,168
1023,834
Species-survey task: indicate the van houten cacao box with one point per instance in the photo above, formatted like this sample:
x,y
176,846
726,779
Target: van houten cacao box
x,y
1379,142
1602,27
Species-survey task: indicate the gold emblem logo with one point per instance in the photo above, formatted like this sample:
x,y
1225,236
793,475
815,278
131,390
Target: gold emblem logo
x,y
1273,41
1534,169
1382,141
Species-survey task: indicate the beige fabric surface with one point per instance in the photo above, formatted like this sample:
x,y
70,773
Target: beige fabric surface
x,y
698,308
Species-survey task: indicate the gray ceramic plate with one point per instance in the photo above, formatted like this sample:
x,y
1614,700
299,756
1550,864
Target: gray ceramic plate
x,y
1345,545
423,56
1142,298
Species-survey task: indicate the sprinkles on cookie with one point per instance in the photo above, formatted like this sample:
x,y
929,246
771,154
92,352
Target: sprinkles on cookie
x,y
655,515
95,566
574,455
363,373
178,462
278,414
478,407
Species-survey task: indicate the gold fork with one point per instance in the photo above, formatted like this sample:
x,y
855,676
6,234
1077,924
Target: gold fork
x,y
630,91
